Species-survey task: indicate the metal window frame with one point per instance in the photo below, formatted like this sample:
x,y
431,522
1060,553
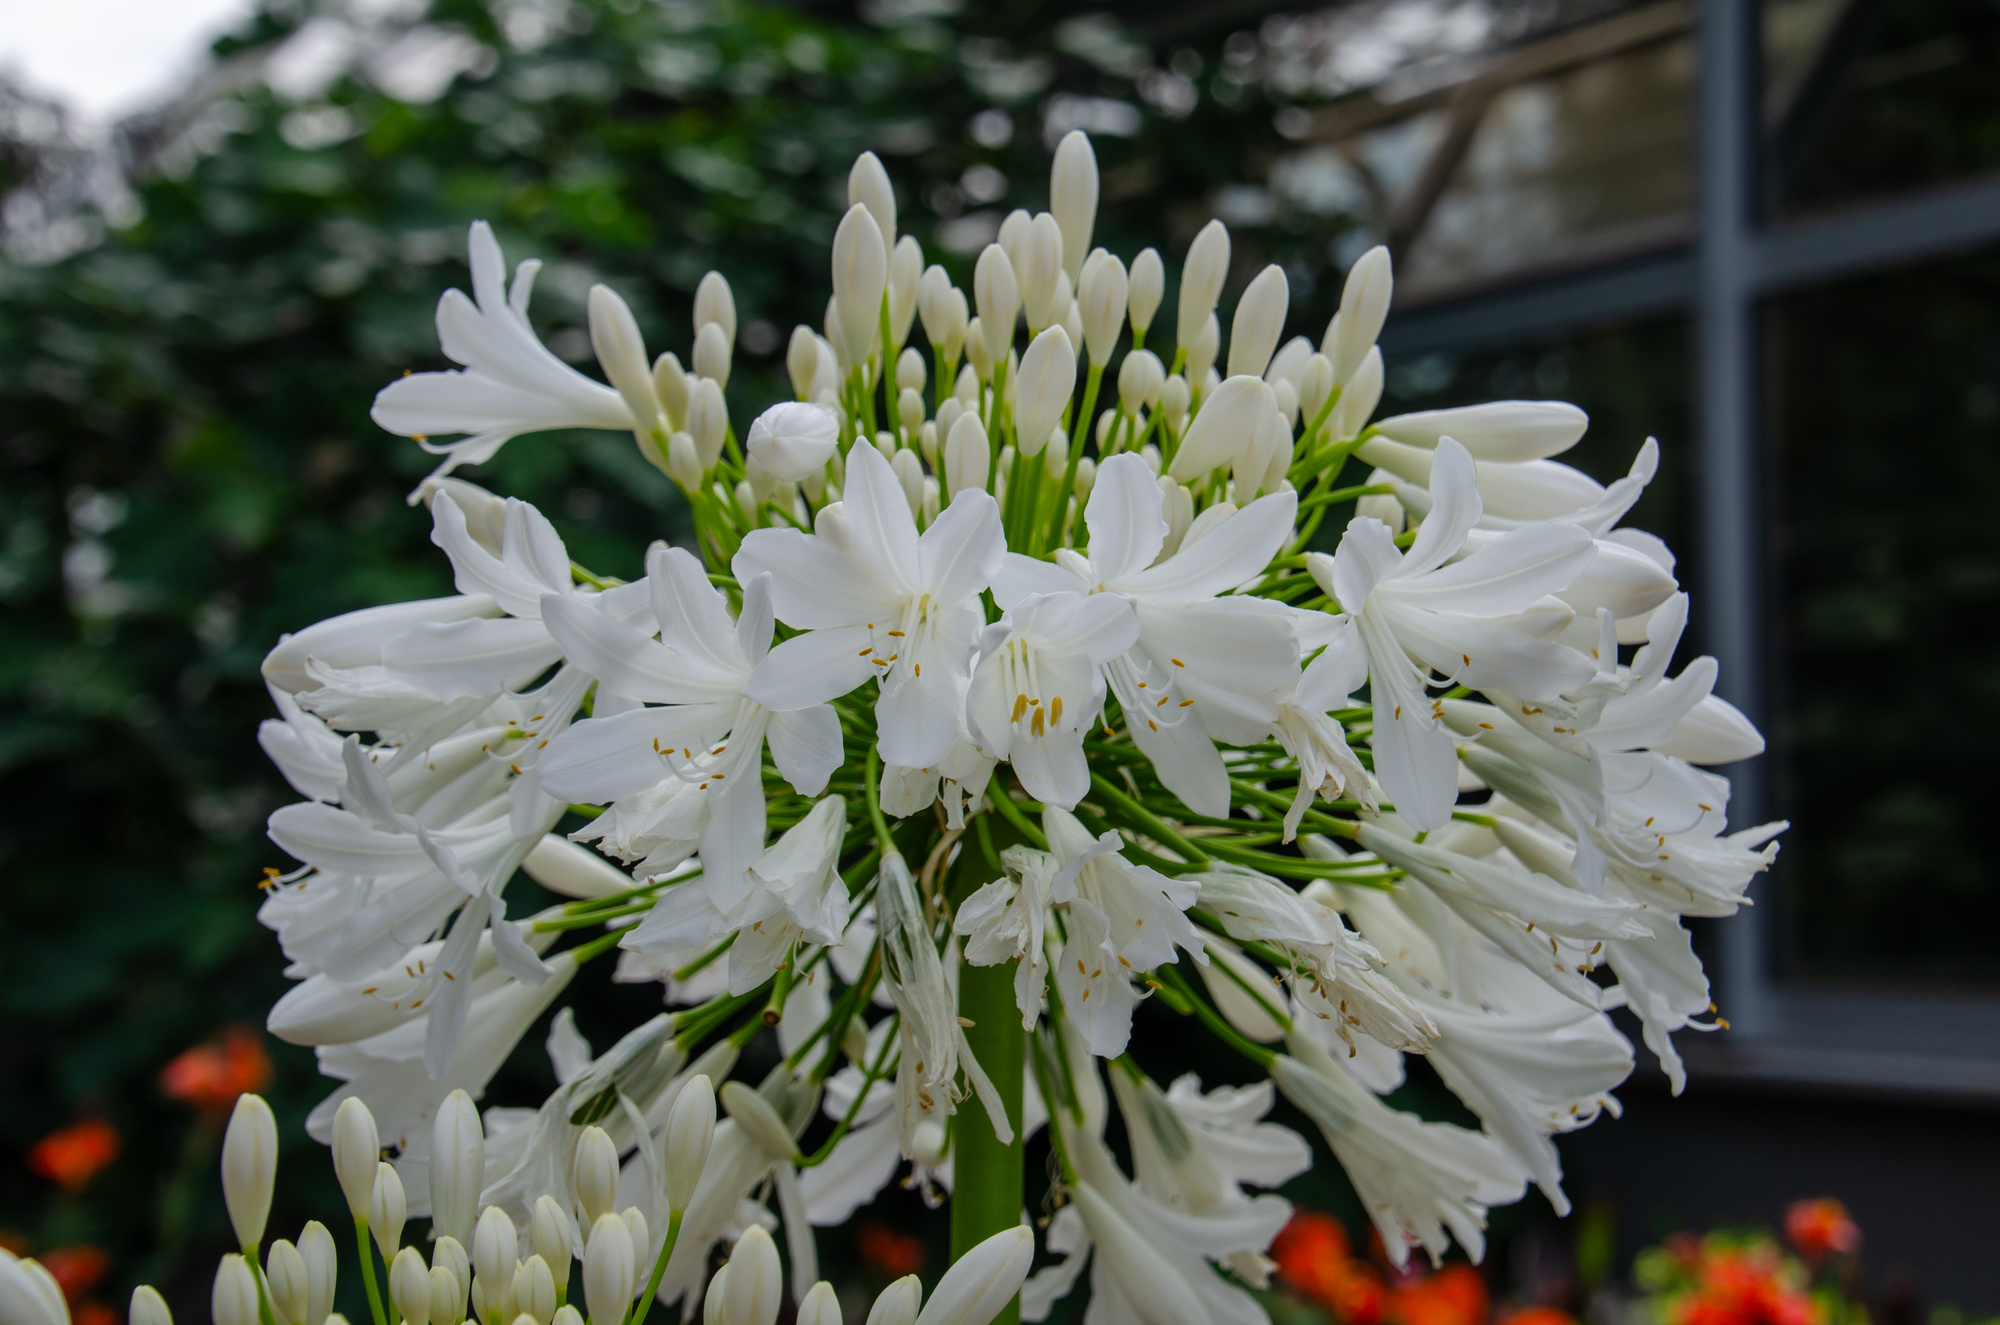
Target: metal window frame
x,y
1784,1035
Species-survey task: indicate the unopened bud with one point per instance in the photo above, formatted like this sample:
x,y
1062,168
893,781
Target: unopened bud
x,y
549,1235
982,1281
1073,197
1101,292
707,420
906,265
684,461
1174,401
387,1210
1149,283
714,303
496,1250
793,440
910,371
802,360
449,1254
610,1266
322,1264
458,1162
820,1307
868,186
712,354
860,277
1358,398
1140,379
621,352
1315,385
1227,424
927,443
967,455
1038,262
1086,478
1177,506
410,1286
759,1121
909,471
447,1298
998,296
1287,397
290,1289
910,411
898,1303
535,1289
1046,381
754,1291
149,1308
233,1299
670,383
1202,350
1364,305
1056,457
1207,266
249,1167
596,1174
1259,321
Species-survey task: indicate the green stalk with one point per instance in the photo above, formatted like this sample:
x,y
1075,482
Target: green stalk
x,y
1078,436
659,1268
368,1269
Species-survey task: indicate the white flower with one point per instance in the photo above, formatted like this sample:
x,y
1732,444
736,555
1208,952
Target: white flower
x,y
1038,686
1474,622
706,735
510,383
1422,1183
881,601
1144,908
794,440
1205,668
1007,920
1318,744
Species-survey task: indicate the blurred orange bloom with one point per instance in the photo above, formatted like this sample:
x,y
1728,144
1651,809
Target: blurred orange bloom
x,y
1817,1229
76,1154
76,1269
210,1076
1455,1295
93,1313
1745,1286
887,1252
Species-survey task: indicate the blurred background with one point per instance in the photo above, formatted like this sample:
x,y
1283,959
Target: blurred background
x,y
1768,234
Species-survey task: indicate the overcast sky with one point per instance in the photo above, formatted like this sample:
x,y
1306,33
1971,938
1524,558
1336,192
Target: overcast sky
x,y
104,58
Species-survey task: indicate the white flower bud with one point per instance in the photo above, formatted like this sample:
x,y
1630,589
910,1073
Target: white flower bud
x,y
690,1127
322,1264
1037,264
148,1308
711,354
1287,397
1175,400
684,461
947,415
910,411
936,306
802,360
821,1307
1073,197
998,297
596,1174
715,303
833,337
910,370
909,471
927,443
711,1301
1364,306
635,1224
982,1281
1086,478
285,1279
966,389
387,1210
967,455
233,1299
1227,424
1151,455
549,1235
929,507
1047,378
707,421
621,352
249,1167
447,1299
1072,321
906,266
868,186
562,866
670,384
977,361
1315,385
496,1250
793,440
535,1289
1011,231
898,1303
1177,506
1207,266
754,1291
759,1121
1140,378
831,526
610,1266
458,1164
1506,431
1055,457
410,1286
1101,293
1201,351
860,277
1264,467
1148,285
1259,321
1358,398
1105,419
567,1315
448,1253
357,1153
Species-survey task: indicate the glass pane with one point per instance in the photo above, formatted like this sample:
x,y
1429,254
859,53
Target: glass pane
x,y
1633,381
1885,402
1589,164
1874,97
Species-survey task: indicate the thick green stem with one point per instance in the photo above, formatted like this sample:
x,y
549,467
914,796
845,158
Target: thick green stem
x,y
362,1242
987,1175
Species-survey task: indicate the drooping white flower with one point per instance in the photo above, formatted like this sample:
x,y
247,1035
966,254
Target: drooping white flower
x,y
1007,921
1205,668
1475,622
879,601
706,735
510,382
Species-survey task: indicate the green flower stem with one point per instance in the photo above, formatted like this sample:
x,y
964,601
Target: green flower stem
x,y
876,1071
1146,819
1077,438
1013,814
264,1313
659,1269
365,1246
1171,977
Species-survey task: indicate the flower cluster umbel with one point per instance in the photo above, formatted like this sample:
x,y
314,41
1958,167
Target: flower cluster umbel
x,y
1017,653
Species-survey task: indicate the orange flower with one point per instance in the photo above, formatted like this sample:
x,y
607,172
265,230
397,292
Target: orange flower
x,y
75,1155
76,1269
1314,1258
887,1252
210,1076
93,1313
1820,1228
1455,1295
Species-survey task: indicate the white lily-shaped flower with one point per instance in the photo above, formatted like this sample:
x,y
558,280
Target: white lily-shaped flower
x,y
1318,744
795,895
1039,685
876,599
1422,1183
707,736
1206,668
1007,921
1146,910
1474,622
510,383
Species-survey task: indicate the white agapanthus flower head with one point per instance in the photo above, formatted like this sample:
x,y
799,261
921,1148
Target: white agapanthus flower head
x,y
976,736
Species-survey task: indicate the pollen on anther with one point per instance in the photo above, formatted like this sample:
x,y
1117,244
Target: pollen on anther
x,y
1154,725
1184,703
1177,662
1055,709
